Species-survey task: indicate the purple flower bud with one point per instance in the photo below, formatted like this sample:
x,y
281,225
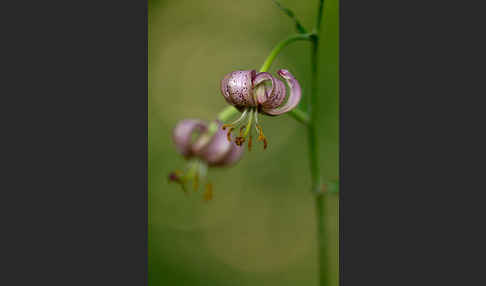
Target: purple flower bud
x,y
183,132
219,151
194,141
214,157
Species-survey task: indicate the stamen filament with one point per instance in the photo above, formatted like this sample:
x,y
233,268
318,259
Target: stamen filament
x,y
243,116
248,127
261,136
240,139
241,129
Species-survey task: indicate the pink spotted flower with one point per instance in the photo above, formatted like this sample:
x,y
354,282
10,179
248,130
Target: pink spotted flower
x,y
194,141
253,93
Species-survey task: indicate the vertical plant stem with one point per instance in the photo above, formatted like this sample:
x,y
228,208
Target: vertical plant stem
x,y
320,197
312,132
322,241
315,170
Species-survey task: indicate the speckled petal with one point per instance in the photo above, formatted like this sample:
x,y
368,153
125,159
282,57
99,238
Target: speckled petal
x,y
237,88
182,135
294,96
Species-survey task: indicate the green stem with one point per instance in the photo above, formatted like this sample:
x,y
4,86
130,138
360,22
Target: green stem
x,y
323,264
314,166
312,112
320,197
273,54
320,10
312,132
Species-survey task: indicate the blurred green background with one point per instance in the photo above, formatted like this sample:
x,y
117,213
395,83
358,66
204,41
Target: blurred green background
x,y
259,229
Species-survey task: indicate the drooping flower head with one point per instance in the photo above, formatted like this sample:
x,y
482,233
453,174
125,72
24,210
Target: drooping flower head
x,y
203,149
252,93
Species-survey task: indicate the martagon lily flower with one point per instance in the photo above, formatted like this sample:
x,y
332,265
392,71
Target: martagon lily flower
x,y
202,149
252,93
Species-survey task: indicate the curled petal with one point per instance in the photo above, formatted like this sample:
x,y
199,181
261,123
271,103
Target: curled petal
x,y
262,92
237,88
213,150
182,135
276,98
232,157
294,97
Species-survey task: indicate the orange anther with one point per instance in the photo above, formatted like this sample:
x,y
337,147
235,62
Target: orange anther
x,y
208,194
228,135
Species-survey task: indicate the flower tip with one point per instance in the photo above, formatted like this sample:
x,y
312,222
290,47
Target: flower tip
x,y
285,74
294,97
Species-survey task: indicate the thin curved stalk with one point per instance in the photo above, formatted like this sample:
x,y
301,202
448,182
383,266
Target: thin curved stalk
x,y
273,54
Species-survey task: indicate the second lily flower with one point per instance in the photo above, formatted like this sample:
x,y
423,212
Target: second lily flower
x,y
252,93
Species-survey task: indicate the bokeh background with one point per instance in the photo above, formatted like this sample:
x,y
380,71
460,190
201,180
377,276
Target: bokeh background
x,y
259,229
